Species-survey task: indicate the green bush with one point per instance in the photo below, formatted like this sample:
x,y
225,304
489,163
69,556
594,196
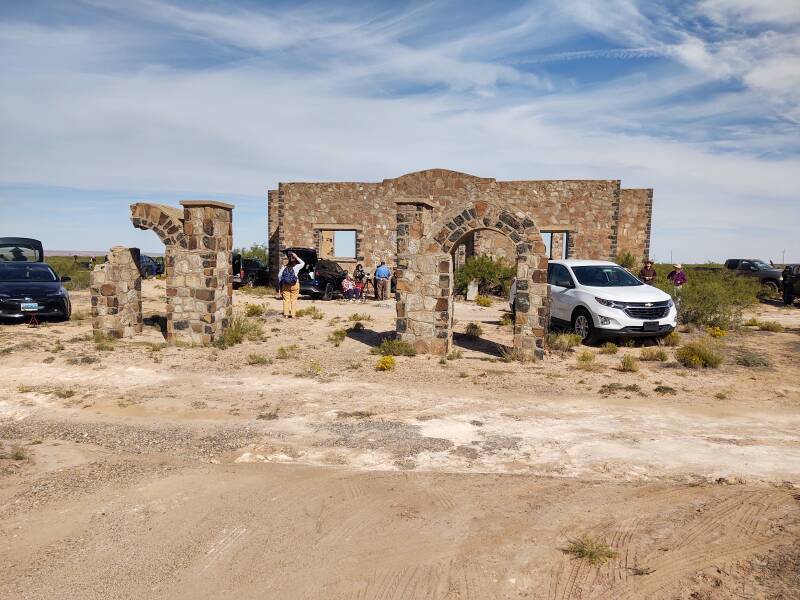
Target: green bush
x,y
66,266
772,326
493,276
628,364
609,348
256,251
239,330
673,338
337,336
359,317
484,301
253,310
713,297
748,358
698,355
563,341
626,260
394,348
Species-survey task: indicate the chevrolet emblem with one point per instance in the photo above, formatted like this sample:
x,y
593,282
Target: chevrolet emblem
x,y
648,304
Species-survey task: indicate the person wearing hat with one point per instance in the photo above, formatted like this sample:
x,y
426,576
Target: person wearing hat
x,y
678,277
648,273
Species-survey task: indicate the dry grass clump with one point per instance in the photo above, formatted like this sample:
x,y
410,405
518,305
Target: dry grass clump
x,y
612,388
609,348
357,326
239,330
455,355
254,358
593,551
313,370
699,355
16,453
473,330
517,355
653,354
337,336
253,310
628,364
748,358
394,348
672,339
484,301
359,317
385,363
772,326
587,361
563,342
311,311
78,315
57,347
287,352
716,332
506,320
665,390
104,342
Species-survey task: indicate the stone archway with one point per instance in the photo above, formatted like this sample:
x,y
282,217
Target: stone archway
x,y
425,272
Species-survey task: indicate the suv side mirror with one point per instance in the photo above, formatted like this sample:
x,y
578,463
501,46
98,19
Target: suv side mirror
x,y
565,283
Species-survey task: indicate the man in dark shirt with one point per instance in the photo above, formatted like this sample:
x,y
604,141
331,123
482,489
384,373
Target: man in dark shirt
x,y
648,273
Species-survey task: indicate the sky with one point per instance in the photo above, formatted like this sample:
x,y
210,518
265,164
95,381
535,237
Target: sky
x,y
104,103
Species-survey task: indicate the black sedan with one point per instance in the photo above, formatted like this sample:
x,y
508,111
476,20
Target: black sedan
x,y
32,288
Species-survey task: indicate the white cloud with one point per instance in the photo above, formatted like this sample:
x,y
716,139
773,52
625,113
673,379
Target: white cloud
x,y
780,12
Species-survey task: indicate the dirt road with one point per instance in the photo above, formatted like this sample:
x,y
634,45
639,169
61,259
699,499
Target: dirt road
x,y
253,472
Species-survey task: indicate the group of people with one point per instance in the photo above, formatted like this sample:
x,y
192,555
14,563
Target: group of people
x,y
354,286
677,276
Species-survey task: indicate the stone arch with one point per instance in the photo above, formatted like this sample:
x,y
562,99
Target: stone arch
x,y
165,221
425,272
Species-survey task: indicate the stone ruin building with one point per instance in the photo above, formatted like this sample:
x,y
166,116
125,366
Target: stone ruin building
x,y
198,240
422,223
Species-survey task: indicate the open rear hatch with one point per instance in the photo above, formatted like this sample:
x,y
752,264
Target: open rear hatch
x,y
21,250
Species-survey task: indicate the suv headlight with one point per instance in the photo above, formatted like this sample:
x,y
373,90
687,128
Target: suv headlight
x,y
610,303
62,291
670,303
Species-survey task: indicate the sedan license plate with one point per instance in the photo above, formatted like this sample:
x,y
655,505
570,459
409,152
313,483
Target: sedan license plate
x,y
650,326
29,306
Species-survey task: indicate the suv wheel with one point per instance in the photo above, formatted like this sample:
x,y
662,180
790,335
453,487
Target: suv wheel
x,y
582,325
770,287
328,295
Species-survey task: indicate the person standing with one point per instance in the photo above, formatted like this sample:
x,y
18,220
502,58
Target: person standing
x,y
289,284
678,278
383,277
648,274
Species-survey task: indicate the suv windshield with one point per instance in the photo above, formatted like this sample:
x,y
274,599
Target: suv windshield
x,y
605,276
26,272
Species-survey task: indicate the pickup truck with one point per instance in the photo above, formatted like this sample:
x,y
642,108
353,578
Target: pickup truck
x,y
770,277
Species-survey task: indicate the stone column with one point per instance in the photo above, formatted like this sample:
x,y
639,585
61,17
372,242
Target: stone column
x,y
557,245
199,285
116,294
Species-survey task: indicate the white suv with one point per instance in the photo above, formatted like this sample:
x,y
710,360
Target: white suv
x,y
600,299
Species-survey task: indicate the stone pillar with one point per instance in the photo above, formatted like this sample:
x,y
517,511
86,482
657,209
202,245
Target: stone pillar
x,y
116,294
199,279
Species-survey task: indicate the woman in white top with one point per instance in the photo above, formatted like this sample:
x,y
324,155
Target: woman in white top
x,y
289,284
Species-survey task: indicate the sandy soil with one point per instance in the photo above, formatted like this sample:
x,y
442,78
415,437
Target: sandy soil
x,y
163,472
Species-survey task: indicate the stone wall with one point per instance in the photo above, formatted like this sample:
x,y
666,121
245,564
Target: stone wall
x,y
589,210
116,294
635,219
198,242
494,244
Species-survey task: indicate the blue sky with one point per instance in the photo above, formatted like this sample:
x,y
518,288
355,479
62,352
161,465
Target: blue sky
x,y
103,103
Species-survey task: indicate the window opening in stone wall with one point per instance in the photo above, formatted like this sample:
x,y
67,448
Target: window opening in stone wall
x,y
344,243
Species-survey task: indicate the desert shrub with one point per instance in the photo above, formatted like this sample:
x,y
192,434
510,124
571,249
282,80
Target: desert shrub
x,y
18,453
653,354
517,355
493,276
355,317
253,310
592,551
587,361
473,330
748,358
752,322
455,355
57,347
484,301
287,352
714,297
385,363
665,390
78,315
772,326
716,332
395,348
673,338
66,266
239,329
311,311
337,336
563,341
506,320
626,260
629,343
699,354
257,359
628,364
104,342
612,388
609,348
357,326
313,370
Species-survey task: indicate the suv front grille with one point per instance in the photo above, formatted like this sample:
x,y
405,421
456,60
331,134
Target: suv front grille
x,y
658,310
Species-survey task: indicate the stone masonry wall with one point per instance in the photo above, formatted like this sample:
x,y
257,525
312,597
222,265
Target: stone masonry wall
x,y
589,210
116,294
198,242
635,218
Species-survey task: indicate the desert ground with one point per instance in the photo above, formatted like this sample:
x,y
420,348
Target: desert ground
x,y
289,468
